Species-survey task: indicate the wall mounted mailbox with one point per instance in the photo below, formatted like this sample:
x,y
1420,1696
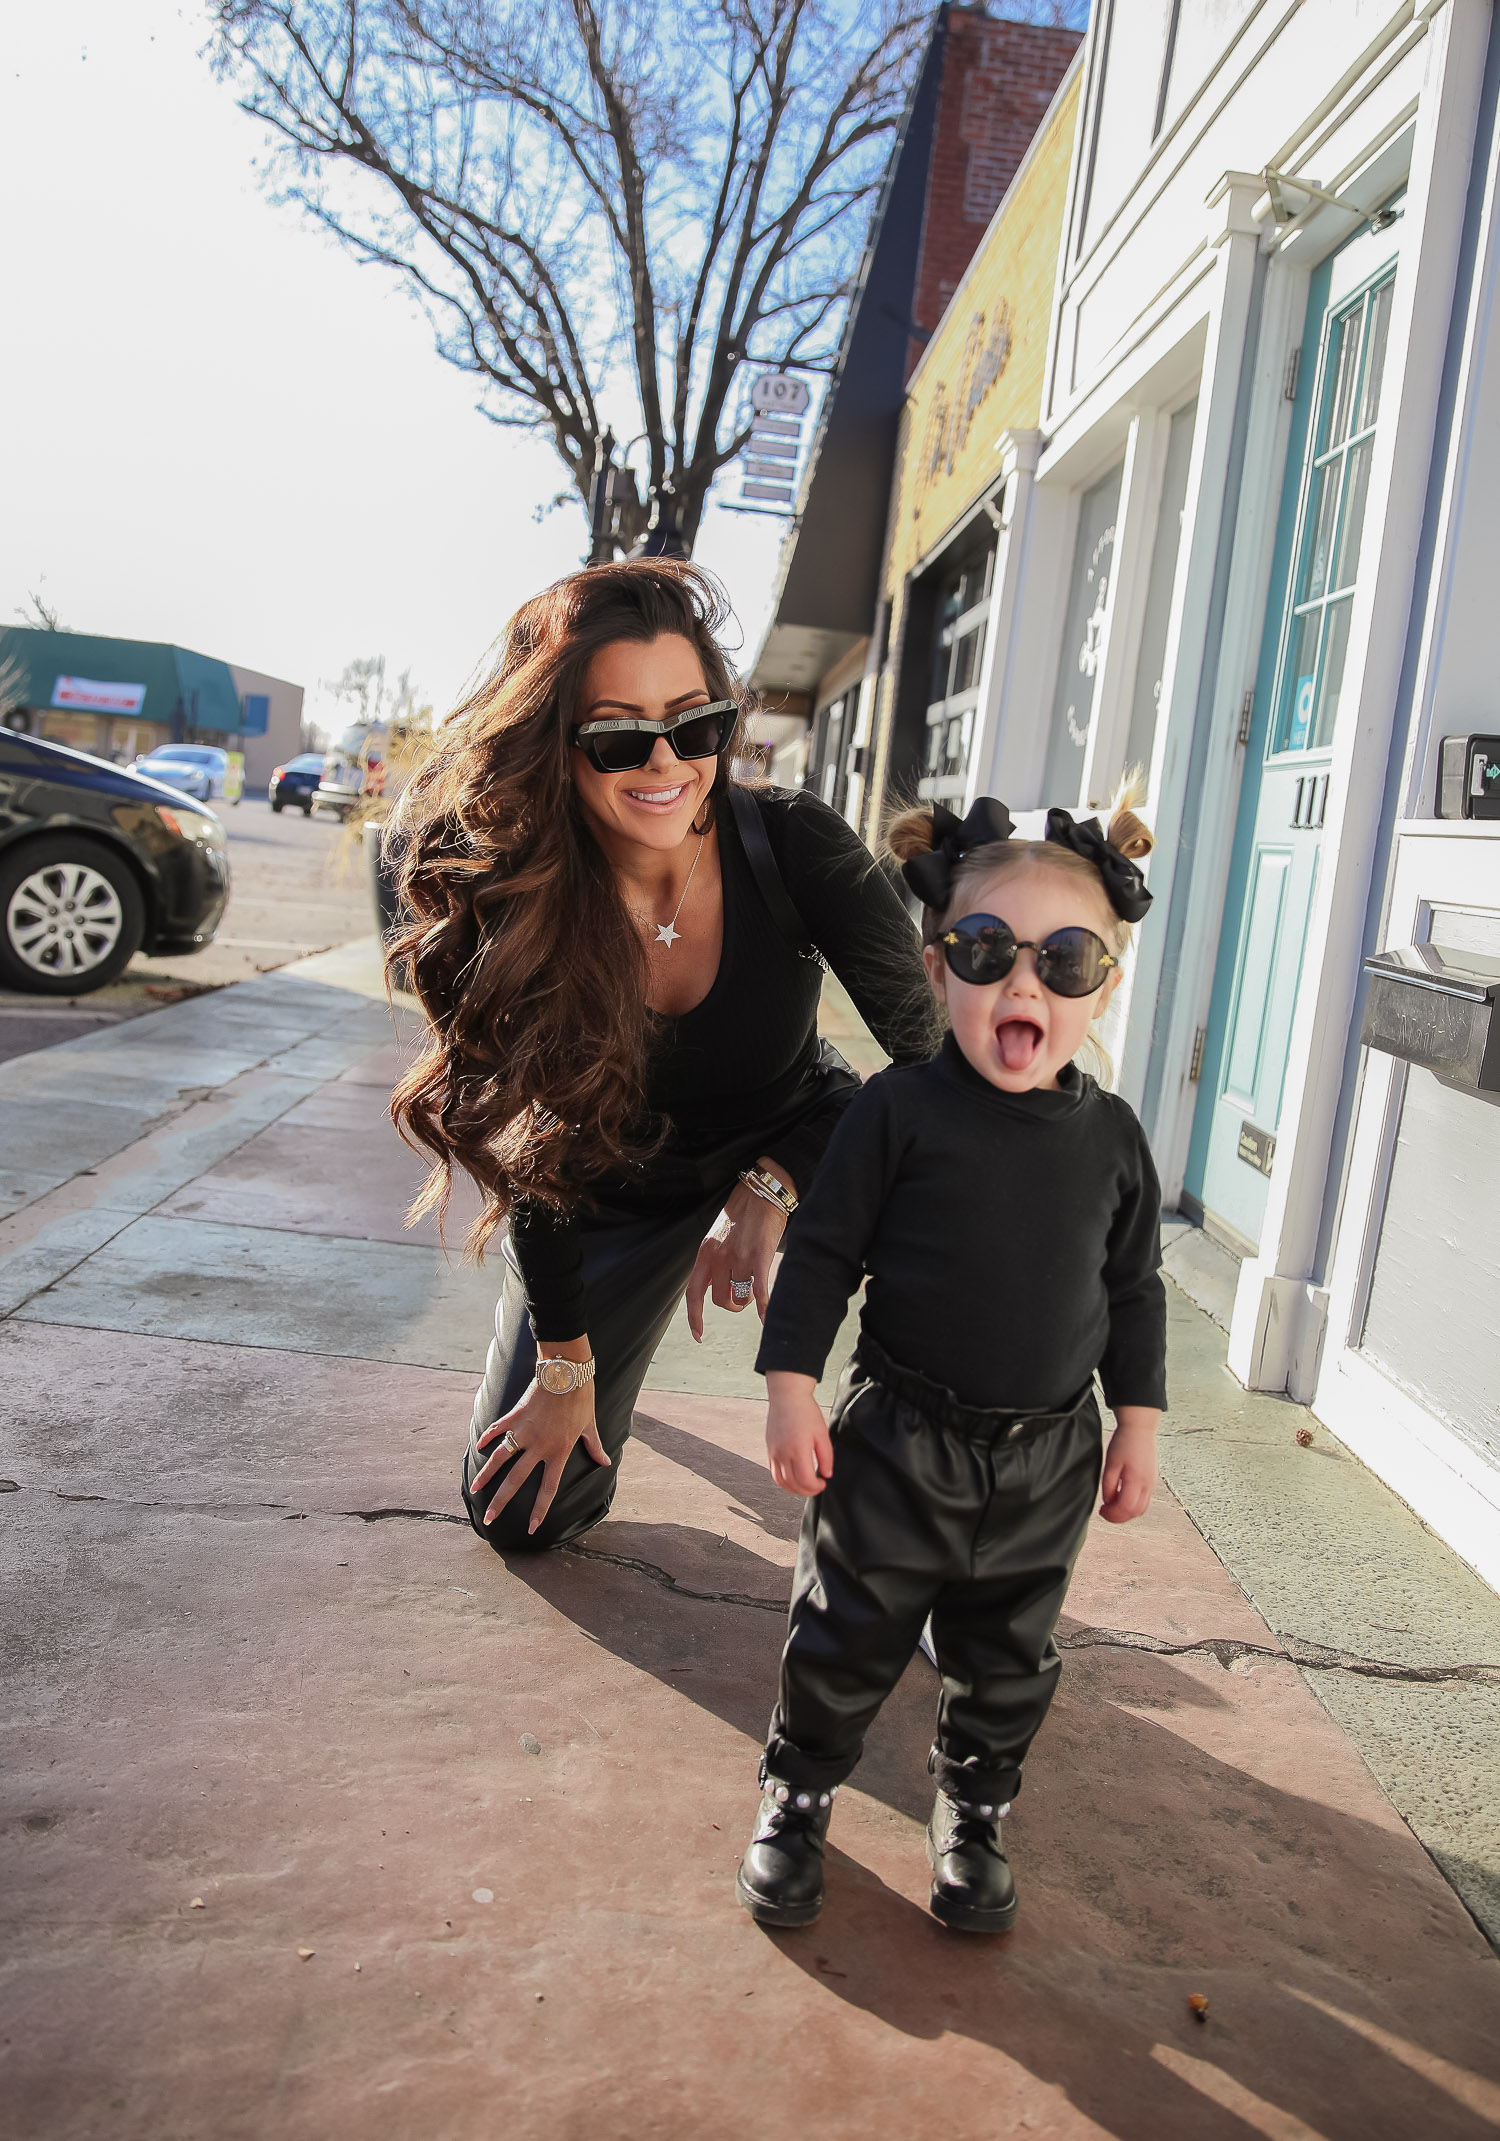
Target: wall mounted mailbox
x,y
1469,777
1436,1008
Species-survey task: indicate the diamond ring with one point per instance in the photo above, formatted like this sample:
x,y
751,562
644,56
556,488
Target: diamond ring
x,y
741,1289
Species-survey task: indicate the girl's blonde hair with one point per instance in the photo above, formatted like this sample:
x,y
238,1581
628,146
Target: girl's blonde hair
x,y
910,832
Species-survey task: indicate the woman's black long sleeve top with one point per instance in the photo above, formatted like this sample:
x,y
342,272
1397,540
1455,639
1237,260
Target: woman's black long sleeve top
x,y
1011,1241
726,1074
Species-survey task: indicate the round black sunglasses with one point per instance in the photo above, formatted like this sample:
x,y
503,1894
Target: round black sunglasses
x,y
980,948
625,744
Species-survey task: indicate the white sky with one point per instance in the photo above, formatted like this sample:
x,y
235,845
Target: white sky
x,y
218,429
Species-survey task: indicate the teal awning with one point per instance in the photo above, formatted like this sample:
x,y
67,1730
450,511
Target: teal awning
x,y
75,672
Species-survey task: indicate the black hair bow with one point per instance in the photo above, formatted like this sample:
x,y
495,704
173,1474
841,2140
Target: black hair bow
x,y
931,875
1123,882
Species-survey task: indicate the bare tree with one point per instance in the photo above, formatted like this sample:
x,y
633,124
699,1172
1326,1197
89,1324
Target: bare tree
x,y
40,614
374,697
609,207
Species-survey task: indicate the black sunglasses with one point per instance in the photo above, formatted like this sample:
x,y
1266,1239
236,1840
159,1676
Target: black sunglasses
x,y
981,948
626,744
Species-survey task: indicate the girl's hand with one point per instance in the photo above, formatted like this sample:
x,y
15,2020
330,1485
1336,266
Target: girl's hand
x,y
798,1446
1130,1465
544,1428
745,1238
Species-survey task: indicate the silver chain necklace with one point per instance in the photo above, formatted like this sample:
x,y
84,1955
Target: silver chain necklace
x,y
667,932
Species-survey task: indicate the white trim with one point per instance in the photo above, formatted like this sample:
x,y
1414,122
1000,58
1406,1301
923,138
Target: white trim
x,y
1433,1470
1429,1465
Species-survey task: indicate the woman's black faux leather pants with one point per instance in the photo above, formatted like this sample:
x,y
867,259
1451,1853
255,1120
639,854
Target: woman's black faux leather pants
x,y
975,1518
635,1270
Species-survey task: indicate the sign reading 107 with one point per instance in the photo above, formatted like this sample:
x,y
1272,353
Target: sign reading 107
x,y
774,391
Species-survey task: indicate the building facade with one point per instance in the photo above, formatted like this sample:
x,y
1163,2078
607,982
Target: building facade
x,y
965,457
120,698
983,90
1265,317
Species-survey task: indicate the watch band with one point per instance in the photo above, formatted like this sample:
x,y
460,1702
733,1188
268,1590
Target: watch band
x,y
561,1376
767,1186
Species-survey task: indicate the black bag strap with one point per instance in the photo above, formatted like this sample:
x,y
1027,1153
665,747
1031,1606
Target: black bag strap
x,y
754,840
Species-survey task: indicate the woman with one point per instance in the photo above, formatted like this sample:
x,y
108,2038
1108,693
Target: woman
x,y
623,1050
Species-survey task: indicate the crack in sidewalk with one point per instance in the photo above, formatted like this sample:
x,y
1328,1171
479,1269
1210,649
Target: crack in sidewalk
x,y
1227,1651
1311,1657
666,1581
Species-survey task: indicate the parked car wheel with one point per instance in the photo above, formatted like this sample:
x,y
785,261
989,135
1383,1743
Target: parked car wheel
x,y
307,808
278,806
71,916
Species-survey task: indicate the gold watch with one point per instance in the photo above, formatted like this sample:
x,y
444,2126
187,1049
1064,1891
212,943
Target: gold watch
x,y
561,1376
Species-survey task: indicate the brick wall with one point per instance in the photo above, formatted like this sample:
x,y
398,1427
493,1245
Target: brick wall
x,y
998,80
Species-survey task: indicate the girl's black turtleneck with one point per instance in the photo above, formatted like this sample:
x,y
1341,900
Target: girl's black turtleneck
x,y
1011,1241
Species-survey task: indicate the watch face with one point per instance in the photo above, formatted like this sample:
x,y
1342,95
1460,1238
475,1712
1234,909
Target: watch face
x,y
557,1376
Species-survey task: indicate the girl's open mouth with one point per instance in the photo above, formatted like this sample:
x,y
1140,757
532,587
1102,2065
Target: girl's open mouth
x,y
658,798
1018,1040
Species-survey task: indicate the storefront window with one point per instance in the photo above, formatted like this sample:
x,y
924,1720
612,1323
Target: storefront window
x,y
1145,705
963,608
826,774
1332,522
1083,633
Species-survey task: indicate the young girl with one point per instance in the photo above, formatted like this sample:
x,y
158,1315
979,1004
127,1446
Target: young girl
x,y
1006,1214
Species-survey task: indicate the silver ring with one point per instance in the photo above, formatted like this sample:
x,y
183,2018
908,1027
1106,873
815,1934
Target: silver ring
x,y
508,1442
742,1289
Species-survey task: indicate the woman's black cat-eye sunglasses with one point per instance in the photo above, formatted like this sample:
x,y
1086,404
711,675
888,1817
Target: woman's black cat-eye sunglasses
x,y
980,948
625,744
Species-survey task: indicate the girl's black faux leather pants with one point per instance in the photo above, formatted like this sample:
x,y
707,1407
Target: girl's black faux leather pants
x,y
975,1518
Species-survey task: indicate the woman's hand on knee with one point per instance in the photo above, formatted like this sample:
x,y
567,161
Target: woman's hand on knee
x,y
544,1430
739,1251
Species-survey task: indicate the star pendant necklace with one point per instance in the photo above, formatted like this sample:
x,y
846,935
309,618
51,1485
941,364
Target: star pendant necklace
x,y
667,932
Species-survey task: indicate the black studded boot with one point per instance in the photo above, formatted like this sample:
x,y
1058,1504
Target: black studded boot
x,y
780,1881
972,1890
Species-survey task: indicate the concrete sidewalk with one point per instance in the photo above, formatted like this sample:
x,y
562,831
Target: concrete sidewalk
x,y
320,1820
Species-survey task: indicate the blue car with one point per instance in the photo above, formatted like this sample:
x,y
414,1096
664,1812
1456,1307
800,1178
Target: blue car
x,y
195,769
296,782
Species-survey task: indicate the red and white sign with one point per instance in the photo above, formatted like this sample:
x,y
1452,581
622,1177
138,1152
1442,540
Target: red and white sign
x,y
89,696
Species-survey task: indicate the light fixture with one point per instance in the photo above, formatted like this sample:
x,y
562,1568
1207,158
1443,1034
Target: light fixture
x,y
1282,212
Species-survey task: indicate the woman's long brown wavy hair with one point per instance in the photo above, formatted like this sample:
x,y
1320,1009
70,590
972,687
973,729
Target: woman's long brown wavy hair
x,y
516,941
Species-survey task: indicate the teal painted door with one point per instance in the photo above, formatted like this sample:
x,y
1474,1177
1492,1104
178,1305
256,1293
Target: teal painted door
x,y
1283,812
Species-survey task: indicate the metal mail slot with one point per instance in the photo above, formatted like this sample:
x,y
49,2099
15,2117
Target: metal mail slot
x,y
1436,1008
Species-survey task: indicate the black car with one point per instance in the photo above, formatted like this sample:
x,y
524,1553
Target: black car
x,y
296,782
95,865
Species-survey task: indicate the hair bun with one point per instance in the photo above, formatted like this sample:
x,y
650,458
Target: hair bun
x,y
1125,831
910,834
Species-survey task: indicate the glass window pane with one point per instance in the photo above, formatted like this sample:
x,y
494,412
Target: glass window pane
x,y
1322,516
1380,323
1164,549
1343,370
1356,490
1088,593
942,656
966,661
1300,683
1335,647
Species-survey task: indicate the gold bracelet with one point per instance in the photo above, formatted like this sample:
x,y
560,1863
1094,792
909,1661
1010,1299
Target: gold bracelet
x,y
767,1187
